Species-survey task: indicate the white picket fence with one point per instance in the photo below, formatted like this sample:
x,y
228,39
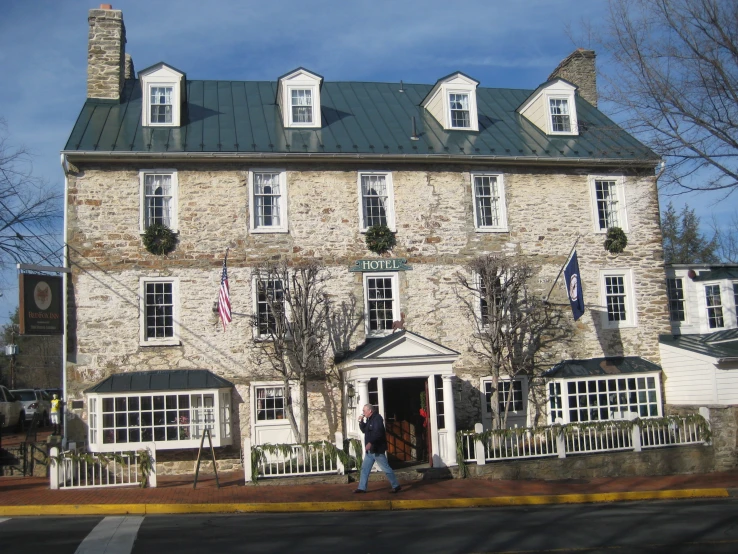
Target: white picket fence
x,y
553,441
300,460
111,469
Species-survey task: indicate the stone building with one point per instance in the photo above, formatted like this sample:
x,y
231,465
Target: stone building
x,y
298,169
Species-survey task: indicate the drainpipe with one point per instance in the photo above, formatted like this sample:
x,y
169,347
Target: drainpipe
x,y
65,410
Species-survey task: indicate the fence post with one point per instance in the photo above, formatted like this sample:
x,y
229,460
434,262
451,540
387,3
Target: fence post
x,y
561,443
247,459
636,431
340,470
151,448
53,468
479,445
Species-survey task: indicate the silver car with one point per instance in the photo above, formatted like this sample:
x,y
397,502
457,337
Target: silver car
x,y
11,410
35,401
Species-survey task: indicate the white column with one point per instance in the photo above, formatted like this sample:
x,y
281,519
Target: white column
x,y
450,417
362,389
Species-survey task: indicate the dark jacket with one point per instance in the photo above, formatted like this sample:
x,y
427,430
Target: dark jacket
x,y
374,433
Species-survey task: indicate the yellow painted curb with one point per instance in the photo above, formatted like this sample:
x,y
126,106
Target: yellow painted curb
x,y
352,506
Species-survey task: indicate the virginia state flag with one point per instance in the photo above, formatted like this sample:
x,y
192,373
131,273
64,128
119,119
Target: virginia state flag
x,y
574,287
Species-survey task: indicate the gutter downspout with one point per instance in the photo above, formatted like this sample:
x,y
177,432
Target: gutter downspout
x,y
65,167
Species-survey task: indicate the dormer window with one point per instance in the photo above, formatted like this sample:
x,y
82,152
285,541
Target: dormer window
x,y
459,105
453,102
162,91
552,108
298,95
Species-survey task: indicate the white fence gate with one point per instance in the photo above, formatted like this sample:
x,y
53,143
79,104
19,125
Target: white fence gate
x,y
77,470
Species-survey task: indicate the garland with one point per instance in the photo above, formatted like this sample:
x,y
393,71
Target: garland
x,y
379,239
616,240
145,461
159,239
258,453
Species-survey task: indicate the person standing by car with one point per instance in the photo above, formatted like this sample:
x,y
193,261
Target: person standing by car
x,y
55,408
372,425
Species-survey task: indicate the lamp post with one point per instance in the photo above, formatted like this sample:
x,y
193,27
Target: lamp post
x,y
11,350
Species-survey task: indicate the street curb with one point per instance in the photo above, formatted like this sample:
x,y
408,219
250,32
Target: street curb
x,y
353,506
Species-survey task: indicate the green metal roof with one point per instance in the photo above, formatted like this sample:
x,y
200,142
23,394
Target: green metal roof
x,y
601,366
720,345
357,119
161,380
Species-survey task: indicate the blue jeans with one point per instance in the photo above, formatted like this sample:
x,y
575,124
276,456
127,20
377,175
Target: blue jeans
x,y
366,468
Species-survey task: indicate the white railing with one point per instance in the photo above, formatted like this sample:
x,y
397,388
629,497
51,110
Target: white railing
x,y
76,470
292,460
558,441
656,434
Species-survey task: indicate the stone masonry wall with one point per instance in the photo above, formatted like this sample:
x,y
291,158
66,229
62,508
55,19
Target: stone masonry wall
x,y
724,427
105,54
579,68
546,211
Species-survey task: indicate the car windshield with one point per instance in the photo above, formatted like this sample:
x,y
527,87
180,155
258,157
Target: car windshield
x,y
25,395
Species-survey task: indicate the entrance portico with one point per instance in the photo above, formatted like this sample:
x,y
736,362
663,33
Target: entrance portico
x,y
379,372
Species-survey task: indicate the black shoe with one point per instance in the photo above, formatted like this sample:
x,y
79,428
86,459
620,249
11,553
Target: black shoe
x,y
359,491
398,488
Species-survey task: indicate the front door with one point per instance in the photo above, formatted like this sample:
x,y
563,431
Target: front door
x,y
405,424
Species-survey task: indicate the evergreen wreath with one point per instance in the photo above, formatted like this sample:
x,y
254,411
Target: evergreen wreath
x,y
616,240
159,239
379,239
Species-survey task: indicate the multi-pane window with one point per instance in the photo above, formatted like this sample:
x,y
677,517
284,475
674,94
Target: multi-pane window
x,y
373,387
615,297
159,310
270,403
153,417
489,201
162,104
485,296
556,411
158,199
675,294
560,117
267,198
380,302
269,305
302,105
735,297
606,197
714,307
459,104
92,410
612,398
512,399
440,404
376,200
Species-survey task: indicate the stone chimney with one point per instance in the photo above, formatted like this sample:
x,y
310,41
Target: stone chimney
x,y
106,53
130,72
579,68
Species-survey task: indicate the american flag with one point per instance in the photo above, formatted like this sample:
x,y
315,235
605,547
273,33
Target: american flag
x,y
224,296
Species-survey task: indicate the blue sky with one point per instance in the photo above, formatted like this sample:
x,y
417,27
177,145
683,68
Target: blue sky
x,y
501,43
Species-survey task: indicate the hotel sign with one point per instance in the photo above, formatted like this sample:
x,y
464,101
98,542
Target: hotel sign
x,y
41,306
383,264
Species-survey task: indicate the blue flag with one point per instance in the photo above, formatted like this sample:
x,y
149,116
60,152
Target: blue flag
x,y
574,287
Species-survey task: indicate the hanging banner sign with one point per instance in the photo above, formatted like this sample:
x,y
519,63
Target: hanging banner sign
x,y
382,264
41,308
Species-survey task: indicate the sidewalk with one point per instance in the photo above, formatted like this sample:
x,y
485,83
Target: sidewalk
x,y
31,495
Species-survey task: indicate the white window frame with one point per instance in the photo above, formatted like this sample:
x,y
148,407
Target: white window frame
x,y
573,123
723,312
187,426
174,219
566,408
631,318
174,340
313,97
621,215
255,280
395,282
501,227
299,79
283,226
265,426
390,203
158,76
487,407
469,95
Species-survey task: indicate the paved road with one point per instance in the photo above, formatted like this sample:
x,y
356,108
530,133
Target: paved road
x,y
654,527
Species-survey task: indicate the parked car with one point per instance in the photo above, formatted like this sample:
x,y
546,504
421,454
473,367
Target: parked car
x,y
12,410
35,401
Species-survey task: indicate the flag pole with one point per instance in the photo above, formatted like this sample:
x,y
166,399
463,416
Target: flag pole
x,y
562,268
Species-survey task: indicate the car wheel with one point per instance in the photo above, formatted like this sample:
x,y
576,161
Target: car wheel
x,y
21,422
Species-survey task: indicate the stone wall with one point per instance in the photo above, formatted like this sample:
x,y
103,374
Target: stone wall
x,y
546,211
579,68
724,428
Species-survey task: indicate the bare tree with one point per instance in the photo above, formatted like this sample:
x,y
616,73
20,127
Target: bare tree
x,y
512,324
676,80
30,213
292,325
726,237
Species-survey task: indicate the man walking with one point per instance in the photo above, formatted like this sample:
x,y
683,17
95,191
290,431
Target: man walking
x,y
372,425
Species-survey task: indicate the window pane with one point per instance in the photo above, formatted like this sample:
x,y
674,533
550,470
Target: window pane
x,y
560,115
161,104
607,204
374,198
714,307
380,303
267,196
270,306
459,110
159,310
158,199
675,294
302,102
488,201
615,294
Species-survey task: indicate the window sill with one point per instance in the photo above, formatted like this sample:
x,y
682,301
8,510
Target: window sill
x,y
142,232
492,229
268,230
152,342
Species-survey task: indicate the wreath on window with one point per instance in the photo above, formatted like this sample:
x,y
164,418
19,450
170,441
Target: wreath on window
x,y
159,239
379,239
616,240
